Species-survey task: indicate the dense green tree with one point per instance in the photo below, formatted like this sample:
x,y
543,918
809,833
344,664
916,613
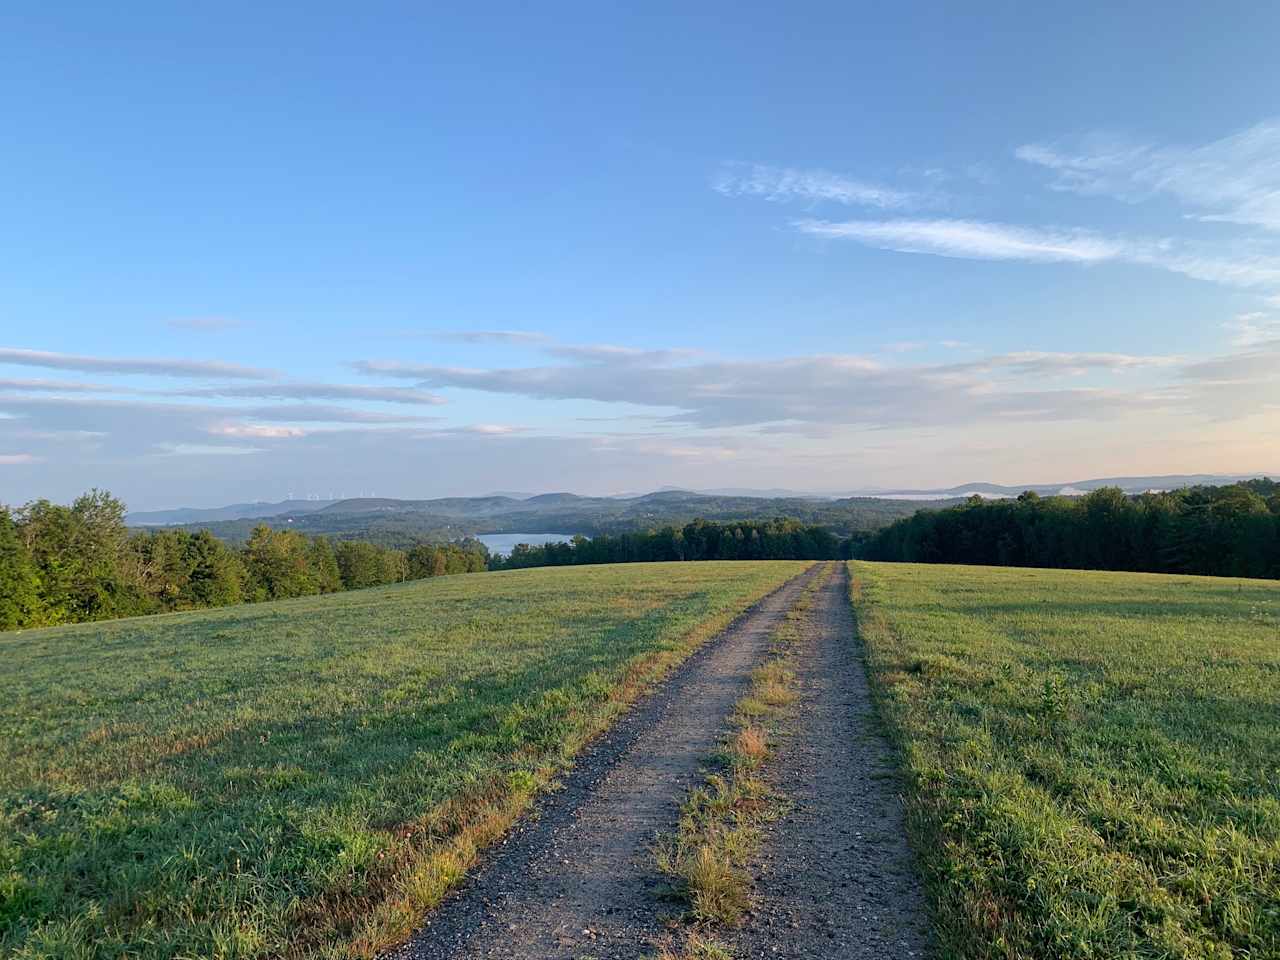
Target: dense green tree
x,y
364,564
277,562
81,553
781,539
1225,531
438,559
20,601
218,576
79,562
323,562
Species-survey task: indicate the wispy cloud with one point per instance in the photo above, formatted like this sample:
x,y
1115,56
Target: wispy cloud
x,y
203,450
1256,365
984,240
1253,328
317,391
296,390
258,430
1036,363
781,184
1235,179
27,385
17,459
322,413
493,429
197,369
971,239
808,392
610,353
491,336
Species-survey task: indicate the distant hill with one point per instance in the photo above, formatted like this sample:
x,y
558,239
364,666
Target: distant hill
x,y
403,522
1127,484
235,511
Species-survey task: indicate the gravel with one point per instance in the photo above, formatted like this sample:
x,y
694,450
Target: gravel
x,y
835,876
577,879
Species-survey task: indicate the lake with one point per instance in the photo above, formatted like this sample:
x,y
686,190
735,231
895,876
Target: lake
x,y
502,543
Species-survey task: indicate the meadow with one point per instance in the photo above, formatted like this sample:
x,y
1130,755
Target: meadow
x,y
304,778
1093,759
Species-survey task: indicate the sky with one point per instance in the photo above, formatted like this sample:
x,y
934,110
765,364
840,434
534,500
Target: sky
x,y
251,251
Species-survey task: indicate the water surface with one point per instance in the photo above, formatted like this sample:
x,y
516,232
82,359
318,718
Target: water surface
x,y
502,543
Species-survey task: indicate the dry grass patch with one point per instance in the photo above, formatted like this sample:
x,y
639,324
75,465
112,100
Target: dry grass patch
x,y
693,946
773,684
752,743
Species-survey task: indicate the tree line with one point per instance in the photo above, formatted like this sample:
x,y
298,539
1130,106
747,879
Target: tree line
x,y
1218,531
61,564
781,539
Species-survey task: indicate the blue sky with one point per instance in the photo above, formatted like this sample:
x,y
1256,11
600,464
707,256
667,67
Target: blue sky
x,y
247,252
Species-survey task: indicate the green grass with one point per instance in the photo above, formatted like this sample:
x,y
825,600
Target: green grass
x,y
304,778
1093,758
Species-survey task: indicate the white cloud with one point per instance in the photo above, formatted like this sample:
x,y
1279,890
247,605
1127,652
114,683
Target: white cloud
x,y
983,240
27,385
317,391
802,392
323,413
204,450
835,421
1251,329
15,459
782,184
1235,179
259,430
1257,365
491,336
494,429
610,353
971,239
1038,363
148,366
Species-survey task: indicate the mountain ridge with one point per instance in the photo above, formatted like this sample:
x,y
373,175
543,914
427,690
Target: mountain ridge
x,y
503,503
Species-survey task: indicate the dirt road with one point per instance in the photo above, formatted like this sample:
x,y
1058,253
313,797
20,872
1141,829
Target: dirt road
x,y
579,879
834,877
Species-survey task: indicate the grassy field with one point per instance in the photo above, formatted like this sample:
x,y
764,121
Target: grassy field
x,y
304,778
1093,758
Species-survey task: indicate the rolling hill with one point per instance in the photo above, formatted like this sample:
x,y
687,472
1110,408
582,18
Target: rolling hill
x,y
402,522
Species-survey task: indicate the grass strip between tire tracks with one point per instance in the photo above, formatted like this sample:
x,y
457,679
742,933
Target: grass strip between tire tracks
x,y
719,829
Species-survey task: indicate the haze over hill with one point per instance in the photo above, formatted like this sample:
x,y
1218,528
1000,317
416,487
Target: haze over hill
x,y
403,522
496,504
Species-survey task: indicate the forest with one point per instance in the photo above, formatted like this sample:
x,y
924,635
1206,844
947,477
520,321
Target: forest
x,y
67,564
1230,531
781,539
